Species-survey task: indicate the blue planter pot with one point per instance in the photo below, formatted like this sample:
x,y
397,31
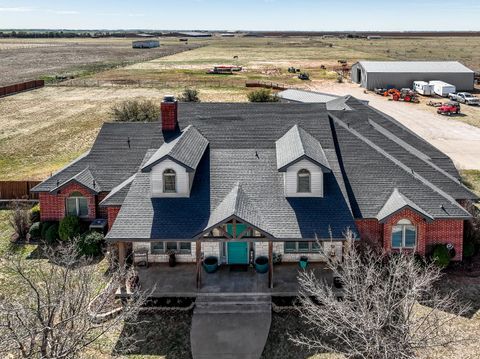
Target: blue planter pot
x,y
210,264
303,262
261,264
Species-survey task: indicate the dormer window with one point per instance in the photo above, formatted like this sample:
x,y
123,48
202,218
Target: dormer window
x,y
169,181
303,181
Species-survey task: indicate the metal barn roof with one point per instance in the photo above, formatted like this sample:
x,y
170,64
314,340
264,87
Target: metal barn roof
x,y
414,66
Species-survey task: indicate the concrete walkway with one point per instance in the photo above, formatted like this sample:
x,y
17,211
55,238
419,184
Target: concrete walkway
x,y
227,326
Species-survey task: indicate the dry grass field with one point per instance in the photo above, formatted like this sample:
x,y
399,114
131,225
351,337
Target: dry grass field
x,y
43,130
30,59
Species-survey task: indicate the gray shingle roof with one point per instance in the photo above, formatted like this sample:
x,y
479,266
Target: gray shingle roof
x,y
397,202
187,149
117,195
237,204
414,66
296,145
84,178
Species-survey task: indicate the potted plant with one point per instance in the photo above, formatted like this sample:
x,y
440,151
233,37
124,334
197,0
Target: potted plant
x,y
261,264
303,262
172,260
210,264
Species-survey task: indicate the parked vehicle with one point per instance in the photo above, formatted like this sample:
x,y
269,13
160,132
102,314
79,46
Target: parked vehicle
x,y
423,88
464,97
442,88
449,108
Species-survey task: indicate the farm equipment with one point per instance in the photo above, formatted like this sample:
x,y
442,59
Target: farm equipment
x,y
304,76
434,103
293,70
224,70
449,108
405,94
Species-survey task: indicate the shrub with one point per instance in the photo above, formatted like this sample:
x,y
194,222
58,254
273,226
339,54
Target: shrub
x,y
90,243
340,79
35,231
69,228
44,226
51,235
35,214
135,111
189,95
19,219
441,257
262,95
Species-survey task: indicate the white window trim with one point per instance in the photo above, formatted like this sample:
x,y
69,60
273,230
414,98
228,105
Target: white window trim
x,y
77,206
296,250
177,251
309,180
403,224
174,175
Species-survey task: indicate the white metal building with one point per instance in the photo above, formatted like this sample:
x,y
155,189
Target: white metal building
x,y
145,44
399,74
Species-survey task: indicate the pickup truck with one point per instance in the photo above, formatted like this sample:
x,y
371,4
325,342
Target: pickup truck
x,y
464,97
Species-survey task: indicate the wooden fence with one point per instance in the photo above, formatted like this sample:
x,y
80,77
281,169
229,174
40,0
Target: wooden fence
x,y
10,190
21,87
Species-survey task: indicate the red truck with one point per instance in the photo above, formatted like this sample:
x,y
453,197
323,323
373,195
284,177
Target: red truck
x,y
449,108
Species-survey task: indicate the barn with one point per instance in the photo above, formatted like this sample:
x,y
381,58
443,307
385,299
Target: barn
x,y
145,44
399,74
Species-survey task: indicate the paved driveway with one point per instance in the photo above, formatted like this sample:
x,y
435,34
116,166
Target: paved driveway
x,y
458,140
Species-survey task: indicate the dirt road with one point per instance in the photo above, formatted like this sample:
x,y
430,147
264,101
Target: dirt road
x,y
457,139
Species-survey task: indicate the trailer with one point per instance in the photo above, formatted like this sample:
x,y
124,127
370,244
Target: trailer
x,y
442,88
423,88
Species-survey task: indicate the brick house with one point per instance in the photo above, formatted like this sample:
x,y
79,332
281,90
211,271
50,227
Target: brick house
x,y
238,181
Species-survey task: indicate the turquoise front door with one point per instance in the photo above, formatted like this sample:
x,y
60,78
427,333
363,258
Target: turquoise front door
x,y
237,252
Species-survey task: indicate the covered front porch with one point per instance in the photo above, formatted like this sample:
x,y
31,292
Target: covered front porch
x,y
180,281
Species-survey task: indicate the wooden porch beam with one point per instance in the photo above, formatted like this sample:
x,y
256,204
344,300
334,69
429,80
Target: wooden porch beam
x,y
270,264
244,232
121,254
198,254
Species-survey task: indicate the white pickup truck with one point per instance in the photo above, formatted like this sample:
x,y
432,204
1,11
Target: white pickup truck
x,y
464,97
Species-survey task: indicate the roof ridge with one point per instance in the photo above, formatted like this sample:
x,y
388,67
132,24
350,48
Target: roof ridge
x,y
397,162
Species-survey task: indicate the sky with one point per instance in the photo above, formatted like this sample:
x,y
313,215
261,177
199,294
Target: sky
x,y
292,15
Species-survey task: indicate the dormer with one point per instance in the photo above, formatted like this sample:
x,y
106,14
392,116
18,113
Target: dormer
x,y
302,159
172,167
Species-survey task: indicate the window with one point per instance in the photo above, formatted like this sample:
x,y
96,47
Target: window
x,y
164,247
77,205
404,234
299,247
169,181
303,181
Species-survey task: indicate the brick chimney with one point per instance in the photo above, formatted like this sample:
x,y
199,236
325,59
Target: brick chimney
x,y
169,111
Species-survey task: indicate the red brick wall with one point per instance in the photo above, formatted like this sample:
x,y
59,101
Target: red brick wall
x,y
112,215
440,231
52,205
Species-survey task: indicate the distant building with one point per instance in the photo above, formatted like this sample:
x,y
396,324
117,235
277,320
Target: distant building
x,y
145,44
374,37
195,34
227,35
400,74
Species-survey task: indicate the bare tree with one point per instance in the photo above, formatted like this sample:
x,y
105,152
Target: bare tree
x,y
49,315
19,219
387,308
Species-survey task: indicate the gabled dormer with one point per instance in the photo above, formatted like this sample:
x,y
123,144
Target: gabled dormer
x,y
172,167
302,159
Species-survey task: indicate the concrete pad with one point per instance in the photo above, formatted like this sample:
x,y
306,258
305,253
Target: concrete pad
x,y
230,331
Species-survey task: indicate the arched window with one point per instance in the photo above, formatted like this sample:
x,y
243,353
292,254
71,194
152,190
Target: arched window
x,y
169,181
404,234
77,205
303,181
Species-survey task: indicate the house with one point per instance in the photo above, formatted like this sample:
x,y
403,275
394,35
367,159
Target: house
x,y
401,74
242,180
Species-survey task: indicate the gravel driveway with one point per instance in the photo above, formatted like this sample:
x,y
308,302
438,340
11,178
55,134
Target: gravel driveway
x,y
458,140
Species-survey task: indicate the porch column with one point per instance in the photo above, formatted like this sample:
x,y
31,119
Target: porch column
x,y
121,254
198,255
270,264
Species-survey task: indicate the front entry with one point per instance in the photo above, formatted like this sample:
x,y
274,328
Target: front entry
x,y
237,252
